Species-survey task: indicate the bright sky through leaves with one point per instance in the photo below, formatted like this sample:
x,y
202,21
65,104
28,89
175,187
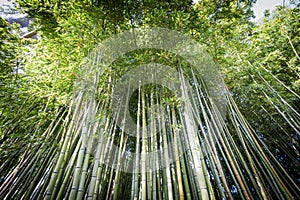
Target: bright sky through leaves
x,y
5,2
262,5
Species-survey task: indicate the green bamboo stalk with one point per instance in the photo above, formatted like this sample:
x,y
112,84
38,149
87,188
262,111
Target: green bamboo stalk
x,y
178,169
144,149
54,175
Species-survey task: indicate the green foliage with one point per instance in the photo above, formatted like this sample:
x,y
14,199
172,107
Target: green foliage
x,y
260,64
262,72
21,110
9,63
272,50
9,49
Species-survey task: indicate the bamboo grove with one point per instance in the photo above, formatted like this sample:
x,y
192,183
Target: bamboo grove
x,y
151,116
191,146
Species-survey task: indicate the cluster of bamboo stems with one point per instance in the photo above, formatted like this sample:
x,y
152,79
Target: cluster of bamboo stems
x,y
192,151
